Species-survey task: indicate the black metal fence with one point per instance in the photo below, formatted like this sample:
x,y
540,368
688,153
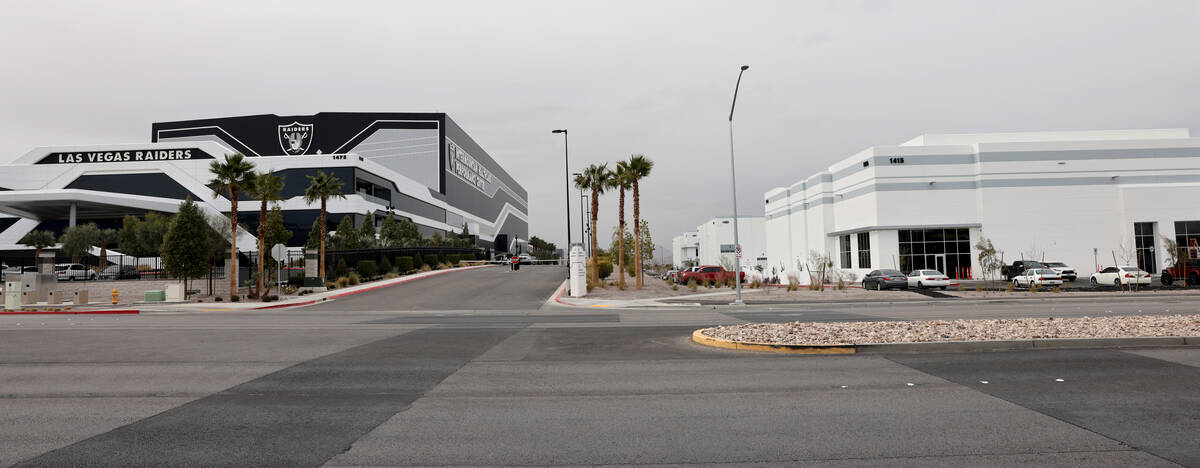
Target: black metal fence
x,y
119,267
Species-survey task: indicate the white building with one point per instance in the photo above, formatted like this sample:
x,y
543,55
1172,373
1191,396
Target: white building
x,y
685,248
1078,197
714,244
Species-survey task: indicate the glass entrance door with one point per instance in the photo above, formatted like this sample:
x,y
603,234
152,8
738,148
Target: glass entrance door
x,y
1143,240
936,262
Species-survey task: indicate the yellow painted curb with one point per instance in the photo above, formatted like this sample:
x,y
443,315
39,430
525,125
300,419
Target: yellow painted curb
x,y
706,340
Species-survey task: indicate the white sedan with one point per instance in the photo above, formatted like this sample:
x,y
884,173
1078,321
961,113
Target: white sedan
x,y
1039,276
1118,276
922,279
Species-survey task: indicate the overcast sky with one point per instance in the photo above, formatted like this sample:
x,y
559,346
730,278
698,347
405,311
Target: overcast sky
x,y
827,79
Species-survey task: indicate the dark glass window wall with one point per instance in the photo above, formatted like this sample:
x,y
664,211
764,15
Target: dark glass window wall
x,y
864,250
944,250
844,251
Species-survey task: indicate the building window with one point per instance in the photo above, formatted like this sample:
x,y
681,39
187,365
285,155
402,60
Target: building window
x,y
864,250
945,250
1143,242
844,250
1187,235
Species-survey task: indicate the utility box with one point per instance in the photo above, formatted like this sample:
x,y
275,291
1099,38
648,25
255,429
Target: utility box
x,y
12,292
174,292
80,297
578,272
155,296
55,297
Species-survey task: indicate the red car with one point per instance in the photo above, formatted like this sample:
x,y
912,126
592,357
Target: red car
x,y
712,273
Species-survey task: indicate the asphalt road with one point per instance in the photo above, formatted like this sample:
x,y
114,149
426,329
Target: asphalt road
x,y
477,368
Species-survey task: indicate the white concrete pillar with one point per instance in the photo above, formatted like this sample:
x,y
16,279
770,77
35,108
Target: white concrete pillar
x,y
74,210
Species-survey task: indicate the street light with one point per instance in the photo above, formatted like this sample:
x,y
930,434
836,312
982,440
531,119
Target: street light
x,y
566,172
737,246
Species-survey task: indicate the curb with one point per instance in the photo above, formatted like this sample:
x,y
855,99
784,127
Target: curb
x,y
952,346
705,340
363,290
73,312
402,281
290,304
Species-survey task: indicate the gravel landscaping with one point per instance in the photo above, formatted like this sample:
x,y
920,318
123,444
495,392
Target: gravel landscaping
x,y
854,333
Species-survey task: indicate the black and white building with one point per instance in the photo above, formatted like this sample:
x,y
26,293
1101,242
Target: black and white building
x,y
419,166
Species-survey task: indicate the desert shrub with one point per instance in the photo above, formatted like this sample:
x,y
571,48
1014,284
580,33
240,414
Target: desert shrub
x,y
453,259
340,270
841,284
218,299
353,278
621,286
385,266
606,268
978,288
674,287
366,268
404,264
1010,288
1033,287
443,266
755,283
692,284
391,275
426,267
707,283
342,281
235,298
814,285
961,288
1057,289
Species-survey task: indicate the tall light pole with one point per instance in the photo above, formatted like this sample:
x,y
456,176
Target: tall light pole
x,y
567,173
582,230
737,245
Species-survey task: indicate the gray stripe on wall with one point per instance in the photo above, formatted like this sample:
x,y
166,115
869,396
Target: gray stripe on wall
x,y
1139,153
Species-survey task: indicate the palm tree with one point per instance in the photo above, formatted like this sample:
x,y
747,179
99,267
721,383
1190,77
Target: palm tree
x,y
322,187
38,240
594,178
639,168
619,178
266,189
104,239
230,176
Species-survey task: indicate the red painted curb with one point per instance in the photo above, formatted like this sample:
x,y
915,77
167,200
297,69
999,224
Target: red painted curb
x,y
73,312
558,296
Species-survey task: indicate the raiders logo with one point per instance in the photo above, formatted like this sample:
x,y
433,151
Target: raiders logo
x,y
295,138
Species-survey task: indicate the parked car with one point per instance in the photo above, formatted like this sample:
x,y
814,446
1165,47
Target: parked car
x,y
1188,270
1118,276
73,271
885,279
669,274
712,273
679,274
1011,271
922,279
19,269
525,259
1039,276
1067,273
114,272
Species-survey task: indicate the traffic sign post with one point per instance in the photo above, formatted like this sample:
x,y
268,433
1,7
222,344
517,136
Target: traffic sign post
x,y
279,253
